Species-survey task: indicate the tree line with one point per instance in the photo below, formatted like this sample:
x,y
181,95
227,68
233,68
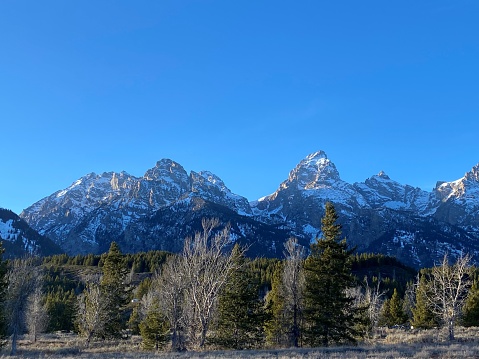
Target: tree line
x,y
212,296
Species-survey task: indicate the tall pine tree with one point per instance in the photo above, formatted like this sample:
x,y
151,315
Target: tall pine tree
x,y
114,289
3,297
422,316
329,313
241,313
392,311
275,326
396,308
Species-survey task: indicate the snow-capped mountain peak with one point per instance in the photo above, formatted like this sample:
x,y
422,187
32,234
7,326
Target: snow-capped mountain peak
x,y
166,168
314,170
148,212
383,175
463,189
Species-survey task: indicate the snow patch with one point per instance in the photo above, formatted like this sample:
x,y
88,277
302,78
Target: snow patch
x,y
7,232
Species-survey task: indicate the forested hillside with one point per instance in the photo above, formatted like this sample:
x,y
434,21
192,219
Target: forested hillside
x,y
212,297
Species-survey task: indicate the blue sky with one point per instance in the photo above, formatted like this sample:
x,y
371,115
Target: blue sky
x,y
245,89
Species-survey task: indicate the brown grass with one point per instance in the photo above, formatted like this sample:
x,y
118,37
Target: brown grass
x,y
389,343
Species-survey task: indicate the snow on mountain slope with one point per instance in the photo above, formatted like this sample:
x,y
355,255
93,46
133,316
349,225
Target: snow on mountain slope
x,y
314,177
95,206
381,191
457,202
7,232
210,187
377,214
19,239
464,191
379,207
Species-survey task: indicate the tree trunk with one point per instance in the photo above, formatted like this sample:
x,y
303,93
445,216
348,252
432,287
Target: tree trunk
x,y
88,338
451,330
295,326
34,333
177,340
204,330
14,343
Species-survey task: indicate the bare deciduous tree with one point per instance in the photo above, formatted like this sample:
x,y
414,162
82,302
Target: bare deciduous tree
x,y
189,285
374,299
170,287
410,297
37,316
207,268
168,290
92,311
293,286
21,279
447,290
369,300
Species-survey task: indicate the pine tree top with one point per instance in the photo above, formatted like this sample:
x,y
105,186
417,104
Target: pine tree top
x,y
331,230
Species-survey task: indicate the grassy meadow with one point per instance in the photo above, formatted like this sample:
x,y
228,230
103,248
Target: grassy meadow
x,y
388,343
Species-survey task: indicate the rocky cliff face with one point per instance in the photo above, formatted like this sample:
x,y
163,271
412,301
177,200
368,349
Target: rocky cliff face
x,y
158,210
457,202
97,209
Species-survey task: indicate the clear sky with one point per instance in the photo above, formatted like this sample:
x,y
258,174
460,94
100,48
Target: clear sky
x,y
244,89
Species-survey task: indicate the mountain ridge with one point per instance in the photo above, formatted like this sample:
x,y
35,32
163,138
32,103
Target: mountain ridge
x,y
97,208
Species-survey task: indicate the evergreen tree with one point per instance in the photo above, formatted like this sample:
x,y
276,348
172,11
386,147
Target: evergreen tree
x,y
3,297
329,313
471,307
422,316
275,305
114,290
154,329
392,311
60,306
135,316
241,314
385,314
396,309
134,320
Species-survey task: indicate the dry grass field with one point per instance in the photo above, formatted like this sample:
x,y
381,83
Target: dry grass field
x,y
390,343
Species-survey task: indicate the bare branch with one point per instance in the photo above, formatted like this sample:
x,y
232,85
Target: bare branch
x,y
208,268
447,290
21,281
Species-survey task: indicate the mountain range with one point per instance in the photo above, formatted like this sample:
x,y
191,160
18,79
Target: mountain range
x,y
161,208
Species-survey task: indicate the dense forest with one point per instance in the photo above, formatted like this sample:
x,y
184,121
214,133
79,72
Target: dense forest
x,y
210,298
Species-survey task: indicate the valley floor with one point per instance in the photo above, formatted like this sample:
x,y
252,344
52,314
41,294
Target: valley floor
x,y
389,343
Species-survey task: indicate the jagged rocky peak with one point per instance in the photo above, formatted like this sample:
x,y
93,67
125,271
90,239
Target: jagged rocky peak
x,y
380,179
167,169
458,188
383,175
118,180
473,175
314,169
